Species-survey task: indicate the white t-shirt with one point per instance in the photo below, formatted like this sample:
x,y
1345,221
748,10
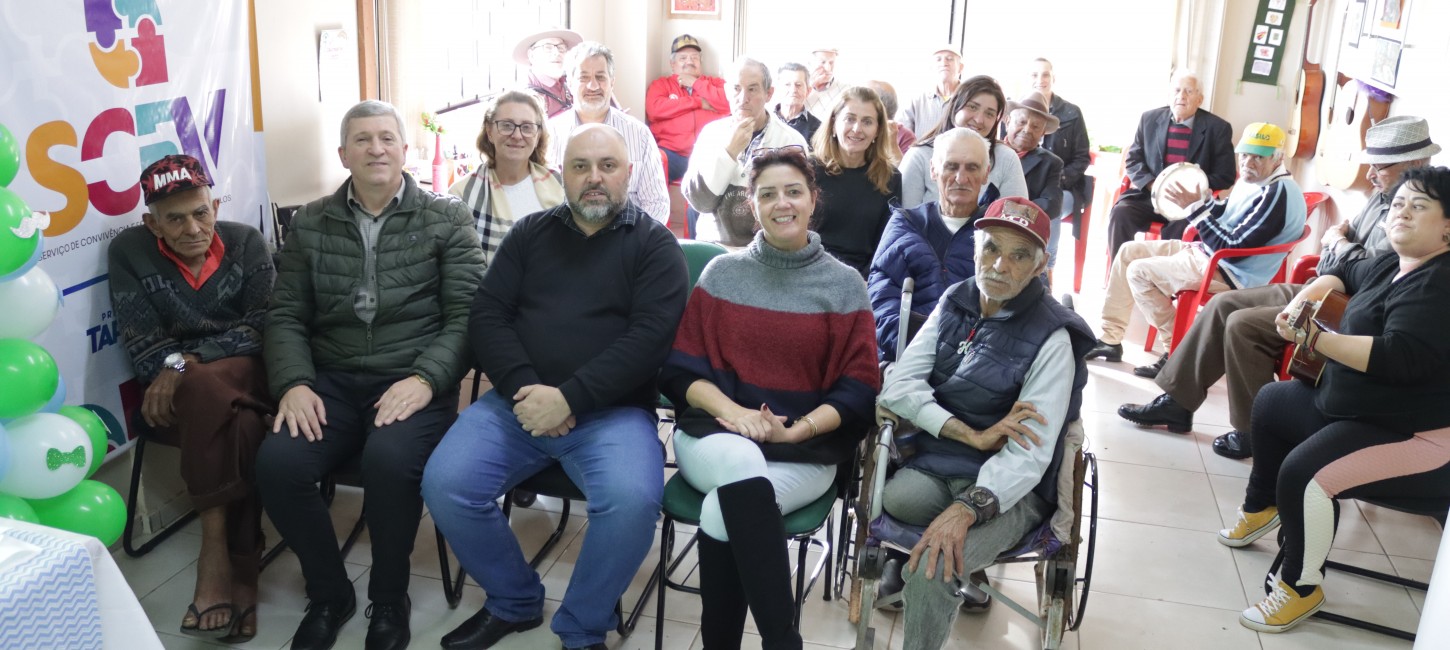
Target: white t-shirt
x,y
954,223
522,198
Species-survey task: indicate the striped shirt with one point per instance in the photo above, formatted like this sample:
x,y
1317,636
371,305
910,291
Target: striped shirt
x,y
1175,148
647,187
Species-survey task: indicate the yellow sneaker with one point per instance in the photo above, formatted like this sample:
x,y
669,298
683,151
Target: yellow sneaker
x,y
1282,609
1250,526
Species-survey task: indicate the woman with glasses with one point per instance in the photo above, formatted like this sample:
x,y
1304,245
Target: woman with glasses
x,y
514,180
775,365
855,165
977,104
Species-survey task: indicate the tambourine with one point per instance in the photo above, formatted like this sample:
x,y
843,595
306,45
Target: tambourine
x,y
1185,174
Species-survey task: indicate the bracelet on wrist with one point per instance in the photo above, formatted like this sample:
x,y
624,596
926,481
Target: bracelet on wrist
x,y
811,421
424,381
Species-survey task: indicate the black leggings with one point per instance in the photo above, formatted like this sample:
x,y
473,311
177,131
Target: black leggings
x,y
1303,461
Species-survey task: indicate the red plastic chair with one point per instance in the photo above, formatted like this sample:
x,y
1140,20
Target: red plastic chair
x,y
1188,302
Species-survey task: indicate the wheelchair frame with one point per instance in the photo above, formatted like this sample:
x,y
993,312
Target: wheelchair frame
x,y
1058,609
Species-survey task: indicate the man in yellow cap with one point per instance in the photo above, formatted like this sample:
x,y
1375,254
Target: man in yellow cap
x,y
1265,208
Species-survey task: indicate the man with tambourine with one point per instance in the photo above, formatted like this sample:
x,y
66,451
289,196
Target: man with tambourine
x,y
1266,209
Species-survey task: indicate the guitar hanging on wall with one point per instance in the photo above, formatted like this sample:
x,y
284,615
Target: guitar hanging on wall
x,y
1357,106
1310,100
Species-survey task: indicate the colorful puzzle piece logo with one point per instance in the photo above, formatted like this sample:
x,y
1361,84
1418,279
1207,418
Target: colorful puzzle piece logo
x,y
137,61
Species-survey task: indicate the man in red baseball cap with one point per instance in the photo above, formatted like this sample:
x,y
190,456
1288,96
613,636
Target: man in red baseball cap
x,y
993,379
190,297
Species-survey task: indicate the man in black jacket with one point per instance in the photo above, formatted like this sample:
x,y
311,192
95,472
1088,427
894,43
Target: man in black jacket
x,y
572,322
1178,132
1027,122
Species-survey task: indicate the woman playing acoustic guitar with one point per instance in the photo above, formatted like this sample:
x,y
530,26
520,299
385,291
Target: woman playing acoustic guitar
x,y
1378,422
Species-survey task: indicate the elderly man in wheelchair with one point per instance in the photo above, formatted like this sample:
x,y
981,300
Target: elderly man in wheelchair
x,y
993,379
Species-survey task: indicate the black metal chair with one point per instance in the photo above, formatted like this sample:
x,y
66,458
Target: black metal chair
x,y
1435,509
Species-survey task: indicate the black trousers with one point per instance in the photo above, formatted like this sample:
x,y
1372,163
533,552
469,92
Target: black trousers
x,y
1132,214
1304,461
393,456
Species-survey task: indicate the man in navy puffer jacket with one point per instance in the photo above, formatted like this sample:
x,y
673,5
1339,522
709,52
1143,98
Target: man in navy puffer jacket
x,y
931,243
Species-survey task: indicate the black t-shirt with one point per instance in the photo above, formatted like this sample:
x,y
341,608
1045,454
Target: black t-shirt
x,y
1406,386
851,214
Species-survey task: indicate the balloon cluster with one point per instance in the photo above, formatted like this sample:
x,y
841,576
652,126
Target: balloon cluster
x,y
47,450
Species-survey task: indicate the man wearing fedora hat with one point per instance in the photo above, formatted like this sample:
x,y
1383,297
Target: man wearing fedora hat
x,y
924,112
543,52
680,104
1234,337
1027,122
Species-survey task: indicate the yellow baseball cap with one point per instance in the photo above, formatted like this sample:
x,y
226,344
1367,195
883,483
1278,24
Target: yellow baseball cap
x,y
1261,139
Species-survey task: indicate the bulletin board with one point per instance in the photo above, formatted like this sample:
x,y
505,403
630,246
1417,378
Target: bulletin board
x,y
1266,45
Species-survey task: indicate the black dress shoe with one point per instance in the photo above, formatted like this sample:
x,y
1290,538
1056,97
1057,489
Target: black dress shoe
x,y
1108,351
388,629
1233,445
319,627
1161,411
1151,371
975,600
483,629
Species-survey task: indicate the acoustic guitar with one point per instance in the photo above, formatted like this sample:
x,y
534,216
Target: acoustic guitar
x,y
1325,314
1310,100
1356,108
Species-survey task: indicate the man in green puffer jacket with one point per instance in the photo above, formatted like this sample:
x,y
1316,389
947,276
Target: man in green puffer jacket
x,y
365,348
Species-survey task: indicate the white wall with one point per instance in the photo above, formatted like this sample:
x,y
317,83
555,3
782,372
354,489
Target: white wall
x,y
301,131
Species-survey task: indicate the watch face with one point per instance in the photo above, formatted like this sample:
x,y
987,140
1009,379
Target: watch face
x,y
980,498
175,360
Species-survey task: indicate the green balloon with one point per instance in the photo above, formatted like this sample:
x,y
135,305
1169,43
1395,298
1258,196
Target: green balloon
x,y
28,377
95,429
15,252
13,507
9,156
90,508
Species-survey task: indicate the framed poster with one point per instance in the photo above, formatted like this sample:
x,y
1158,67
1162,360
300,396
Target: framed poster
x,y
1386,63
1387,19
1354,23
707,9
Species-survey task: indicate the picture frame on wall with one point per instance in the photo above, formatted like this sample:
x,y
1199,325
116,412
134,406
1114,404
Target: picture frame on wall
x,y
701,9
1385,66
1354,23
1387,19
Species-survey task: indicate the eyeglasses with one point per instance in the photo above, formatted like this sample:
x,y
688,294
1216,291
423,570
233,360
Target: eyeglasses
x,y
527,129
558,47
790,149
1379,168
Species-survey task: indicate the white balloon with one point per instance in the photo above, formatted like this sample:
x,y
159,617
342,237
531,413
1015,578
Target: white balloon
x,y
44,462
29,303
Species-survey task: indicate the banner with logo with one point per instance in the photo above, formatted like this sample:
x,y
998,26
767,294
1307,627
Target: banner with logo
x,y
93,91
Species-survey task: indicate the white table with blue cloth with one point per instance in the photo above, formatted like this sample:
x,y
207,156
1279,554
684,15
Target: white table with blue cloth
x,y
63,590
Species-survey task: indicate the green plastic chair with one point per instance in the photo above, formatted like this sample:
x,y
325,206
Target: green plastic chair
x,y
681,504
697,255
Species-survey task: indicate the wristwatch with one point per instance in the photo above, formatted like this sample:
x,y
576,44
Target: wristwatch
x,y
175,361
981,501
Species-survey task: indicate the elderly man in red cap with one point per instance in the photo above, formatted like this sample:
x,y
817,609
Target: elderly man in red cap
x,y
543,53
993,379
680,104
1027,122
190,295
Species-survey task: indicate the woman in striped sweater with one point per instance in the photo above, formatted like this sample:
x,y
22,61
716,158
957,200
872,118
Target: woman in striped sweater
x,y
775,360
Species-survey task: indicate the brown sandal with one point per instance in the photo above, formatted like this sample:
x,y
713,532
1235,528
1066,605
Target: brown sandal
x,y
239,625
209,632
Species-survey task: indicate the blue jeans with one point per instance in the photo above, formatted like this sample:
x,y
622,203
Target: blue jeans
x,y
613,455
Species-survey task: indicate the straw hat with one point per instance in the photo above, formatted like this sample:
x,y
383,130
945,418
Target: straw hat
x,y
1397,139
569,36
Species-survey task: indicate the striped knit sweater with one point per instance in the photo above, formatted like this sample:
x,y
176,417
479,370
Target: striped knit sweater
x,y
791,330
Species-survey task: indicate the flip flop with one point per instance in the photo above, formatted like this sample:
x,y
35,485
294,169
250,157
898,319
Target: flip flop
x,y
238,621
212,632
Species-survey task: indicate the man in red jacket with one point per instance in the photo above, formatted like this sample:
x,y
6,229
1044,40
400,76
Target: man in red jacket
x,y
679,105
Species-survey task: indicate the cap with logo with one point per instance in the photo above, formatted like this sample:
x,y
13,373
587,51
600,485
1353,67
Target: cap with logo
x,y
1261,139
172,174
1019,214
683,41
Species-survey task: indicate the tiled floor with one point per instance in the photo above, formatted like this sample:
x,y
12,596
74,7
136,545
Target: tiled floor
x,y
1160,579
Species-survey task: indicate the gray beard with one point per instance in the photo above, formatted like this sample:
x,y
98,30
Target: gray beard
x,y
596,214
